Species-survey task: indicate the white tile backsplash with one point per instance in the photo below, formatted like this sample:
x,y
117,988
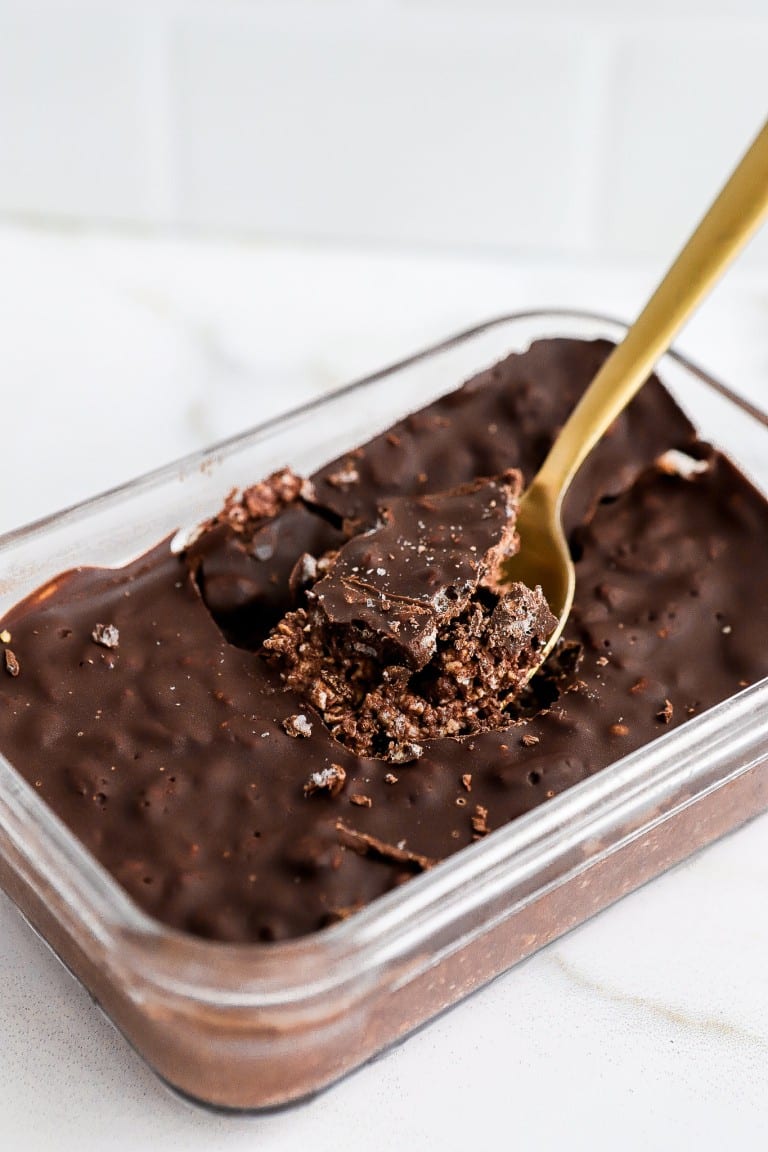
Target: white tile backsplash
x,y
584,127
406,132
73,118
682,114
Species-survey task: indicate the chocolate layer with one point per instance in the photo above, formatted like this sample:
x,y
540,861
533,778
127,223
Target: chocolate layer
x,y
505,416
218,797
244,557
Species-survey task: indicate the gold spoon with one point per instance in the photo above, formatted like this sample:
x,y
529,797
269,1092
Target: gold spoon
x,y
732,219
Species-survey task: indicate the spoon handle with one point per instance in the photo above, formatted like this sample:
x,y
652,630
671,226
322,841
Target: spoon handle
x,y
731,220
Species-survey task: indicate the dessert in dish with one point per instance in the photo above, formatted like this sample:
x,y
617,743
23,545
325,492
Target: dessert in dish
x,y
152,708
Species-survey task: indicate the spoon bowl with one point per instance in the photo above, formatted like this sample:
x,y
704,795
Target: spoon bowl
x,y
544,559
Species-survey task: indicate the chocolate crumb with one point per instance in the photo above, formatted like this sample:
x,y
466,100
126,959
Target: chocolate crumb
x,y
243,511
480,822
602,661
619,730
106,635
466,780
297,725
665,713
390,778
336,915
266,498
367,845
12,665
360,800
330,780
528,740
407,752
345,477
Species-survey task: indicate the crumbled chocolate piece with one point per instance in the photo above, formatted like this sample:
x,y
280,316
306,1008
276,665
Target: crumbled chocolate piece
x,y
410,635
298,725
529,740
466,781
107,635
404,753
345,477
12,665
262,501
366,844
360,800
480,822
390,778
330,780
666,712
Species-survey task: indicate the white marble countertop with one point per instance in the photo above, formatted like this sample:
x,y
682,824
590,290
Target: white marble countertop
x,y
647,1027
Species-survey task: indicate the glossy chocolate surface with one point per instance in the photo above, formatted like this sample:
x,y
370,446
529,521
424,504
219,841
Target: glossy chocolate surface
x,y
218,797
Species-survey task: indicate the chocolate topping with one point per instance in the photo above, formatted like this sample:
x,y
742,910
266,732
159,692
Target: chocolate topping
x,y
409,636
169,756
250,579
507,416
106,635
397,583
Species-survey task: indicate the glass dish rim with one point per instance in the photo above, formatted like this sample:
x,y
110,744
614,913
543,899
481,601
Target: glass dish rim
x,y
399,921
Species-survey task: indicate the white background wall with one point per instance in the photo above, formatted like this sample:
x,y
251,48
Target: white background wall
x,y
597,128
